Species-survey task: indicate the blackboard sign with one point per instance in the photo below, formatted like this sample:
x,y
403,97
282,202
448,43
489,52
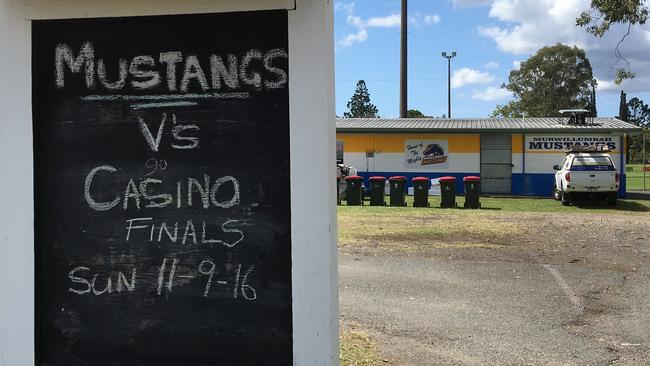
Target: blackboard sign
x,y
162,193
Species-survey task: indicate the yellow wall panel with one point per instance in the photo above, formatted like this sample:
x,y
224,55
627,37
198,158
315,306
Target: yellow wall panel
x,y
517,144
356,142
394,143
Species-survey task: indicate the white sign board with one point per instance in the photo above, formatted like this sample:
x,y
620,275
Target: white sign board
x,y
311,106
426,154
561,143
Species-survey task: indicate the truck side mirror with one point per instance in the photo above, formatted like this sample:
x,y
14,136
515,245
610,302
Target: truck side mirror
x,y
556,167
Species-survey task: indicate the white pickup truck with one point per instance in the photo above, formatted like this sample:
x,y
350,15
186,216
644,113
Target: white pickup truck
x,y
586,172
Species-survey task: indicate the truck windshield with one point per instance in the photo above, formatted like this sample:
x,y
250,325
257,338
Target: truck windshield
x,y
592,163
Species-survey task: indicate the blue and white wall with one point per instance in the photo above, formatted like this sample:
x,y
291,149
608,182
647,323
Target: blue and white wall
x,y
534,175
533,156
405,154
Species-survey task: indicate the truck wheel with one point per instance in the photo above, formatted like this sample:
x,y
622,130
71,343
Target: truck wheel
x,y
565,199
556,193
611,200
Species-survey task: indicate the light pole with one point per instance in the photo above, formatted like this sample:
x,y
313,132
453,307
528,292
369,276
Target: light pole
x,y
403,89
449,56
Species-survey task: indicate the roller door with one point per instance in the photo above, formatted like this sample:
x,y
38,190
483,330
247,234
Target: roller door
x,y
496,164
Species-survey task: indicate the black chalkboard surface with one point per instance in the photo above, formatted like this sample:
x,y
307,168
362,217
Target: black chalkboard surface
x,y
162,193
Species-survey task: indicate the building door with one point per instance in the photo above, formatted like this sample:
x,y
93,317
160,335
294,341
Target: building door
x,y
496,164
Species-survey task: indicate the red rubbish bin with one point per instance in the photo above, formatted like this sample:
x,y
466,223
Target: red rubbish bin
x,y
472,191
353,190
447,192
421,187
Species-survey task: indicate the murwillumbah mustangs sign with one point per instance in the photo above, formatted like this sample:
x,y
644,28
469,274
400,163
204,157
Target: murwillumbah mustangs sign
x,y
562,143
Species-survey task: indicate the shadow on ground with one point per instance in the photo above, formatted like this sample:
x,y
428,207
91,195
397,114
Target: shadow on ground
x,y
638,195
620,206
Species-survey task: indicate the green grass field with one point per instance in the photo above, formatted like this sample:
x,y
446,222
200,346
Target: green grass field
x,y
496,225
514,204
635,178
357,348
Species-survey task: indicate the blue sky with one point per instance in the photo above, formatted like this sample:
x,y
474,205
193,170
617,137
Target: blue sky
x,y
490,37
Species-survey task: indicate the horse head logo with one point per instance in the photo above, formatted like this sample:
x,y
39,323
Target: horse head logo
x,y
433,150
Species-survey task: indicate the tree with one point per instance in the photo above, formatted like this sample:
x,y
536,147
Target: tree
x,y
414,113
638,114
359,105
592,102
622,108
511,110
604,13
556,77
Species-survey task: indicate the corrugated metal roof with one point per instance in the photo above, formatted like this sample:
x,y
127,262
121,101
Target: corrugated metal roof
x,y
527,125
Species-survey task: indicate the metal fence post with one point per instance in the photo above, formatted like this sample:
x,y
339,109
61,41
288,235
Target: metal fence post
x,y
643,156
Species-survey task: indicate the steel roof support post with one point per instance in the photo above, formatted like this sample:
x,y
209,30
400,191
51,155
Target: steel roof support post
x,y
643,156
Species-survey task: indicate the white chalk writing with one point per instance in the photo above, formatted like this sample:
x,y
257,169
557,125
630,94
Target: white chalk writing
x,y
262,70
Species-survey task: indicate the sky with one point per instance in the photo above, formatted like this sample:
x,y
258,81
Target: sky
x,y
491,38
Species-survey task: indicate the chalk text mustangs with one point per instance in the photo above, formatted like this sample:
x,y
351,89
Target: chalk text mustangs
x,y
256,69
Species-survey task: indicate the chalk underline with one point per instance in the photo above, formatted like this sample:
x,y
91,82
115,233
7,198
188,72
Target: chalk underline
x,y
148,105
92,98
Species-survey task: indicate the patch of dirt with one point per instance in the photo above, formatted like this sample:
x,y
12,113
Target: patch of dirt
x,y
616,246
595,240
415,234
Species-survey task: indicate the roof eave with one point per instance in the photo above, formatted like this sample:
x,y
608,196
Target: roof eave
x,y
636,130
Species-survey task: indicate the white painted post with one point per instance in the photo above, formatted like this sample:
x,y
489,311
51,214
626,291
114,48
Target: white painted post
x,y
16,189
314,251
313,187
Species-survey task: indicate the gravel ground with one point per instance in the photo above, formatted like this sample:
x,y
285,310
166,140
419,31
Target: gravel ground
x,y
557,290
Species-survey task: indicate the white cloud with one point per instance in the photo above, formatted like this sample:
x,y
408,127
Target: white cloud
x,y
492,65
523,27
348,7
362,25
416,19
491,94
607,85
646,34
516,64
535,24
353,38
355,21
389,21
432,19
516,10
393,20
637,85
511,41
466,76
